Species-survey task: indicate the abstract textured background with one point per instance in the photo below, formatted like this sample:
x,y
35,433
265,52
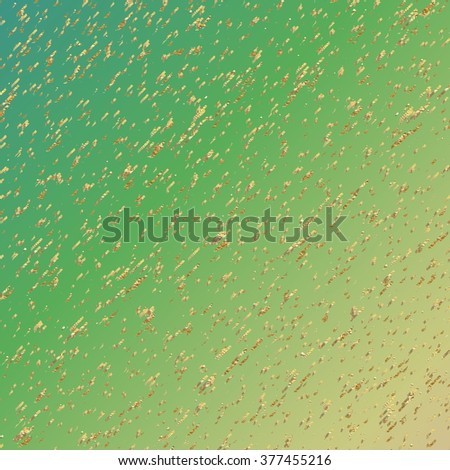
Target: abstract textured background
x,y
229,107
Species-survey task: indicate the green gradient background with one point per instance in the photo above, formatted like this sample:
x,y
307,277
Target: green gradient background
x,y
119,383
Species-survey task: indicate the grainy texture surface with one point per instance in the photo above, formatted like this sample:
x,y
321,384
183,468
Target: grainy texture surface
x,y
229,107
